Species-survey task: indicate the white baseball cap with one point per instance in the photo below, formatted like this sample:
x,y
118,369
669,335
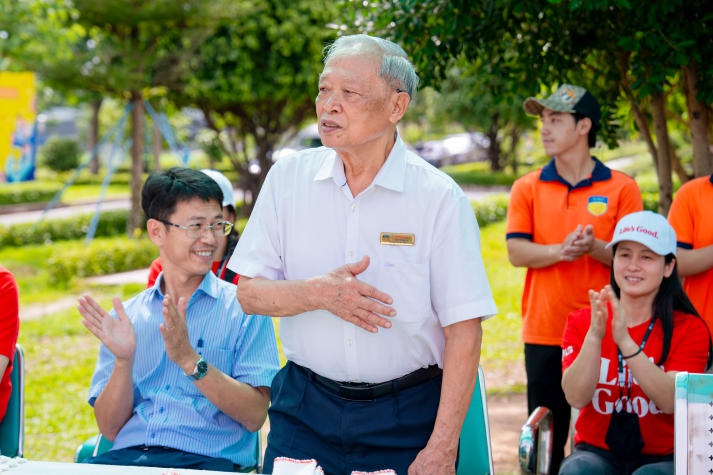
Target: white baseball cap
x,y
225,186
647,228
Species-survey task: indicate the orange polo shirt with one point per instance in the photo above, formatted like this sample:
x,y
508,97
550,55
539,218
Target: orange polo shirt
x,y
544,208
690,215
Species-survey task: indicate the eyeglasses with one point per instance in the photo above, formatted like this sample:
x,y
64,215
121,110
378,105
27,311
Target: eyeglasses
x,y
196,230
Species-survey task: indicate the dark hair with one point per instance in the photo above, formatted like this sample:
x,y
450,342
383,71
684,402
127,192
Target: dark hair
x,y
592,135
669,297
163,190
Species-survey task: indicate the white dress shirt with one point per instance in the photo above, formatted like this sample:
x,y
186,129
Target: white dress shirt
x,y
307,223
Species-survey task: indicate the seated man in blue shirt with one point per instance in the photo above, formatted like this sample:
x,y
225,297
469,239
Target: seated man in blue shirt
x,y
183,374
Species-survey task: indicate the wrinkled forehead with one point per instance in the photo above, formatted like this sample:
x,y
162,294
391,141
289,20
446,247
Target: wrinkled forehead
x,y
353,59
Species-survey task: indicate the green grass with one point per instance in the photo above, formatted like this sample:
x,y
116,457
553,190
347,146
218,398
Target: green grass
x,y
502,347
83,192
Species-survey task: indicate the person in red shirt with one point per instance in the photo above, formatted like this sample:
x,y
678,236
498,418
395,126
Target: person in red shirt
x,y
224,249
9,329
621,355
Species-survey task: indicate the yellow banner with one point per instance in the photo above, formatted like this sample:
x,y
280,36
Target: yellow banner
x,y
17,118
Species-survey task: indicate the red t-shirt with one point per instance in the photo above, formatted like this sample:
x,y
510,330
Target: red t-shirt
x,y
156,269
688,352
9,328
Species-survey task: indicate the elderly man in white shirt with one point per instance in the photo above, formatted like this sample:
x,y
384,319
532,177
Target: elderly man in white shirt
x,y
374,255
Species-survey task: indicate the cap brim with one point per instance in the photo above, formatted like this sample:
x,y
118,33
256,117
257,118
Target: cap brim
x,y
532,106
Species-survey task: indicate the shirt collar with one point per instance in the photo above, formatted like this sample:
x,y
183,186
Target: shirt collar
x,y
208,286
600,173
391,175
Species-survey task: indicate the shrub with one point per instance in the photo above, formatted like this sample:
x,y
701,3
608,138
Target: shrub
x,y
60,154
111,223
100,257
491,210
27,192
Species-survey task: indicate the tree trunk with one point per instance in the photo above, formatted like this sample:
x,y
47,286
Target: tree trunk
x,y
514,142
494,145
643,125
699,118
94,136
678,169
658,109
157,145
135,221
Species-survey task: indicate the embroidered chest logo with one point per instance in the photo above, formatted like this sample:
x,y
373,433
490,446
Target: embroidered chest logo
x,y
597,205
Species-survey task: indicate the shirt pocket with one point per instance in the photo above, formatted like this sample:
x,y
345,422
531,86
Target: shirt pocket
x,y
408,284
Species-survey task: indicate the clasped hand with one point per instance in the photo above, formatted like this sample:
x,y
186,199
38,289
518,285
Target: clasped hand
x,y
357,302
577,243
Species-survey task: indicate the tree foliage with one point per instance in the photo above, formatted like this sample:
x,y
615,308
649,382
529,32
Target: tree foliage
x,y
648,55
127,49
255,79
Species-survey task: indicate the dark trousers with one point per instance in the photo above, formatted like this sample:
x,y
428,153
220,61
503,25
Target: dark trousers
x,y
543,366
167,457
589,460
308,421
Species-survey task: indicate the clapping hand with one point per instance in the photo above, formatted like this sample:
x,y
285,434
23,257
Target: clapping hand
x,y
117,334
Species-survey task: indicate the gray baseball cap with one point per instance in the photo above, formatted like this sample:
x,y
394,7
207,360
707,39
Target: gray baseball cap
x,y
567,98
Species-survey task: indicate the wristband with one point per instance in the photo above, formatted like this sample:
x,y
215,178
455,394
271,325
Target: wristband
x,y
633,354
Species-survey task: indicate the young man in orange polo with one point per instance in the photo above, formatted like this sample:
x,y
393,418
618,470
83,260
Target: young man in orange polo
x,y
690,216
559,220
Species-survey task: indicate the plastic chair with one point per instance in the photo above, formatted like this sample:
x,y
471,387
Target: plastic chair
x,y
475,454
693,423
535,447
99,444
12,426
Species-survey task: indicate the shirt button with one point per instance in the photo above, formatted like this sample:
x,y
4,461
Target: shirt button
x,y
354,207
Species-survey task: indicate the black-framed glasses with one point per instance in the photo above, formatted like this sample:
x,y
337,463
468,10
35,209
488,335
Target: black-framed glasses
x,y
196,230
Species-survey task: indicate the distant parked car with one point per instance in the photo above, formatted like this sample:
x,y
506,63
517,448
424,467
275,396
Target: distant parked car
x,y
455,148
308,137
433,151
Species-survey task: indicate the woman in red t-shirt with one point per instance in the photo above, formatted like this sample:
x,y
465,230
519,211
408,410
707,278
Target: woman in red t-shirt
x,y
620,356
9,328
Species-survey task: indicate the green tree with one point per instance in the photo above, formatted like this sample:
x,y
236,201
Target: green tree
x,y
128,49
647,54
255,80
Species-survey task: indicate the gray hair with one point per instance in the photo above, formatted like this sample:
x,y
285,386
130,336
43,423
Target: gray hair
x,y
396,68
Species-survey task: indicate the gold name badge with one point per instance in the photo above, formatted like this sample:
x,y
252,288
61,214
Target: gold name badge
x,y
397,239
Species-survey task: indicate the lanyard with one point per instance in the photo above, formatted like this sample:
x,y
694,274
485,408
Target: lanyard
x,y
621,357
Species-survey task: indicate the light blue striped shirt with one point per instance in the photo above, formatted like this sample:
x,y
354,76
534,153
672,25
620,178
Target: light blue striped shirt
x,y
168,408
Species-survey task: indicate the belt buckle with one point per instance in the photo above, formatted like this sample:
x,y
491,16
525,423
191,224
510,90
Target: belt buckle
x,y
356,393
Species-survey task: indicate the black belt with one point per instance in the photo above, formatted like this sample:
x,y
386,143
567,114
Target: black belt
x,y
370,391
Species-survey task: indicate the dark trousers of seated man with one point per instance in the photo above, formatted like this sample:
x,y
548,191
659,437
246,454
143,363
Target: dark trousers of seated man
x,y
309,421
164,457
543,365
